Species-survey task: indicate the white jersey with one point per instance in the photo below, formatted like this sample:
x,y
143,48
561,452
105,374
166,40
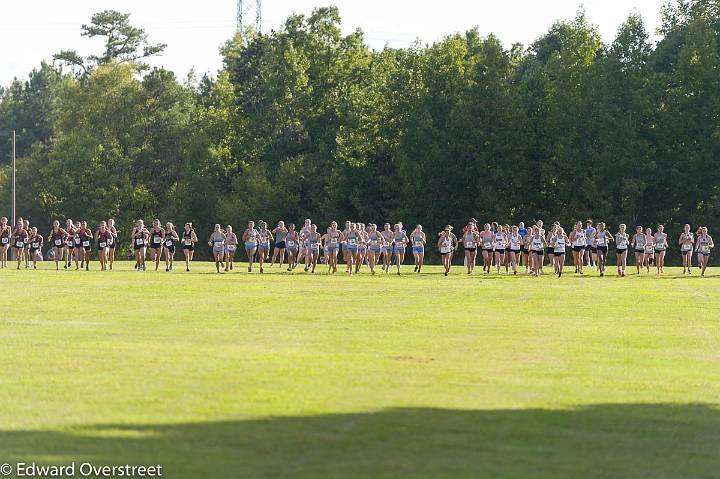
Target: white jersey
x,y
560,244
515,242
580,238
621,241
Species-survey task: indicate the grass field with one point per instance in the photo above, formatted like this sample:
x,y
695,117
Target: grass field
x,y
422,376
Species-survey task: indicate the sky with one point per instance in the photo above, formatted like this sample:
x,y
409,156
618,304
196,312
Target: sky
x,y
33,30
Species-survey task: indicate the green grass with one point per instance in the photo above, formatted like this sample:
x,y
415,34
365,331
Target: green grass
x,y
423,376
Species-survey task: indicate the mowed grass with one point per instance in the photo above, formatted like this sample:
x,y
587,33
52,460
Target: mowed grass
x,y
419,376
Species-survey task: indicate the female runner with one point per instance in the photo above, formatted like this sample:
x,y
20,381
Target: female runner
x,y
649,248
602,240
400,239
231,242
622,240
471,240
638,244
387,235
447,244
86,239
171,240
265,238
515,243
36,244
27,244
418,240
376,245
139,237
350,240
19,239
56,238
537,243
217,242
77,244
687,244
279,251
69,250
313,249
157,236
362,247
578,239
559,242
292,245
250,238
499,245
703,246
113,242
189,238
332,240
103,237
660,248
5,234
487,237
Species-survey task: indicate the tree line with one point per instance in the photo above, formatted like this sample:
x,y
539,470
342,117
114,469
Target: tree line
x,y
305,122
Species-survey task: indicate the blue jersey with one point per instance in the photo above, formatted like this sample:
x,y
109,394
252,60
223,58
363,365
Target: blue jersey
x,y
523,232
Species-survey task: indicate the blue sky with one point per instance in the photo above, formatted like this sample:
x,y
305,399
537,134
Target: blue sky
x,y
33,30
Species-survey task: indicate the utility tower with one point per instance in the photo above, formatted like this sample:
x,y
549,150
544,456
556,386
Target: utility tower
x,y
249,15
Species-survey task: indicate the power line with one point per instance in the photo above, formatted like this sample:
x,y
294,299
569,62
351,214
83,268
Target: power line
x,y
249,15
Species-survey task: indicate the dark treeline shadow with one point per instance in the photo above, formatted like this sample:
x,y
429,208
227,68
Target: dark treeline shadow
x,y
599,441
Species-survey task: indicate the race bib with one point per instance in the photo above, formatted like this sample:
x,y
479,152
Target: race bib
x,y
86,243
188,241
290,243
168,243
20,244
232,248
103,244
35,245
139,241
58,242
5,240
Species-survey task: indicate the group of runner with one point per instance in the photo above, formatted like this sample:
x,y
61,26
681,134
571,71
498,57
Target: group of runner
x,y
504,247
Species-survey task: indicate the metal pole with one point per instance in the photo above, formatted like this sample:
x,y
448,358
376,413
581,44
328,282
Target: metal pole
x,y
13,179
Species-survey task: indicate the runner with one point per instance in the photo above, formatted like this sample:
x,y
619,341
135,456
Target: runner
x,y
250,238
140,236
169,243
560,241
5,234
188,239
591,250
103,236
536,245
280,233
265,238
375,248
447,244
499,245
36,244
687,244
400,239
602,240
113,243
622,240
217,242
638,243
157,236
649,248
578,239
56,238
231,244
524,253
388,252
515,245
69,250
19,239
313,248
703,246
471,240
660,248
418,240
486,238
292,246
331,244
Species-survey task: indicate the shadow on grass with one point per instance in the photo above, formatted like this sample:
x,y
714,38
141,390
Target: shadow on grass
x,y
599,441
